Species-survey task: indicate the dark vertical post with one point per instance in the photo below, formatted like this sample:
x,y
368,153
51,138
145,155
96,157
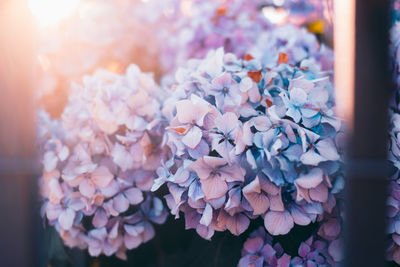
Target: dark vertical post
x,y
16,136
366,184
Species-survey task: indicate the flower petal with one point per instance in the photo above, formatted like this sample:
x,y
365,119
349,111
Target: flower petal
x,y
132,242
120,203
100,218
311,158
319,193
213,187
101,176
86,188
327,149
193,137
278,222
311,179
66,219
253,245
224,80
134,195
299,216
207,216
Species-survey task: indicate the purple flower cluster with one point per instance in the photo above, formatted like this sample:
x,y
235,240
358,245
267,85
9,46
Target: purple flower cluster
x,y
259,250
395,47
394,222
100,160
297,43
393,202
249,141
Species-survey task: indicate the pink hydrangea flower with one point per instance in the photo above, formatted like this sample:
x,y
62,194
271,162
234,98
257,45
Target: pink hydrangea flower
x,y
267,150
100,164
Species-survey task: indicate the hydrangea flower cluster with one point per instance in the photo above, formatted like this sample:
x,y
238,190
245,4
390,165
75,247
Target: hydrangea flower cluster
x,y
98,168
249,141
393,202
293,41
394,220
194,27
259,250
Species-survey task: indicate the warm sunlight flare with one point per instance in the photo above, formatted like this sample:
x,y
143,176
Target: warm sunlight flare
x,y
51,12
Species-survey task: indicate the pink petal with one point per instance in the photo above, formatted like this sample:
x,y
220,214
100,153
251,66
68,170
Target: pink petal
x,y
206,218
299,216
202,169
284,261
53,211
304,249
122,157
225,149
335,250
50,161
311,158
268,251
86,188
132,242
176,191
327,149
56,193
330,229
193,137
298,96
181,175
120,203
111,189
238,224
253,245
253,187
213,187
259,202
66,219
232,173
148,232
100,218
276,203
134,230
319,193
214,162
134,195
94,247
225,79
101,176
114,231
194,110
311,179
303,194
204,231
192,219
268,186
200,150
278,222
227,122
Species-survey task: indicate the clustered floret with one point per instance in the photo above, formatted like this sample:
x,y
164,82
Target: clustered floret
x,y
100,165
246,129
259,250
249,141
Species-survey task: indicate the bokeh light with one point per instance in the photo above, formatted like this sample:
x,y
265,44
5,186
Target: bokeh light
x,y
51,12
